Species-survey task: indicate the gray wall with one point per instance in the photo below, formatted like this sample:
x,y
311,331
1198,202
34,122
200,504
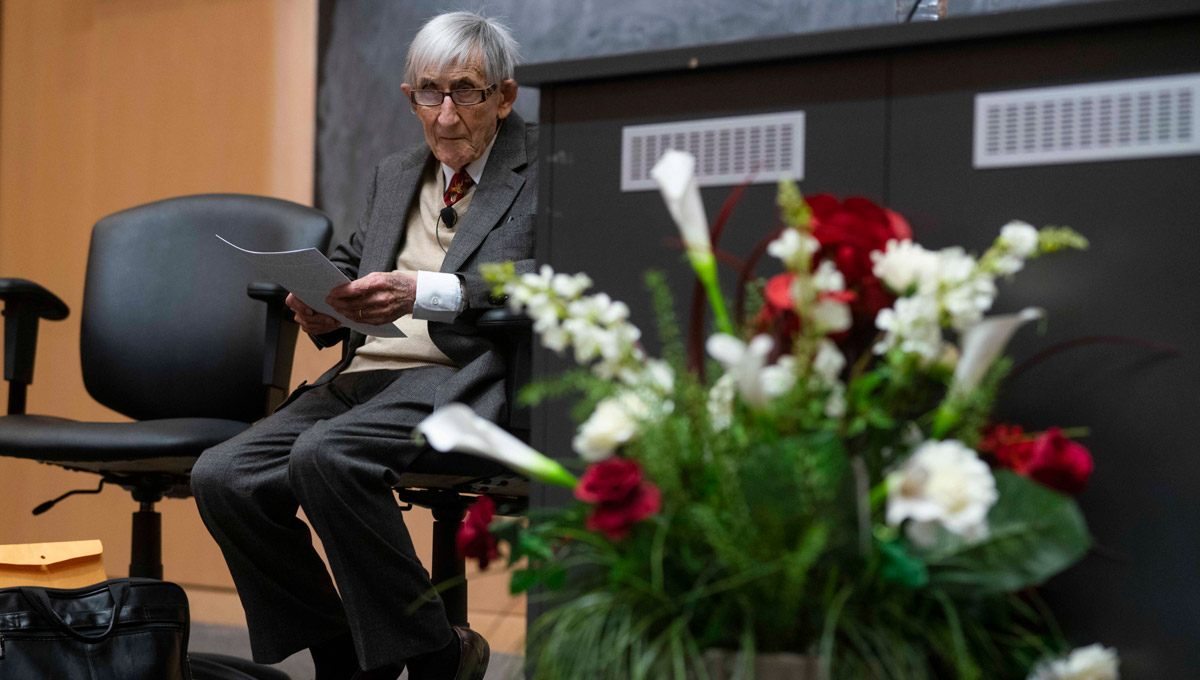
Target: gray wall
x,y
362,115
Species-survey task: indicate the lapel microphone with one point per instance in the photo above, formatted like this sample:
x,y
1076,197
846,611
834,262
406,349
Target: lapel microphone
x,y
449,217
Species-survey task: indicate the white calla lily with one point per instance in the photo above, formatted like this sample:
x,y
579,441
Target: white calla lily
x,y
455,427
675,174
983,343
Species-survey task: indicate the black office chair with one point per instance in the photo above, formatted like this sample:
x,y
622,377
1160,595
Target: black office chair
x,y
447,483
175,335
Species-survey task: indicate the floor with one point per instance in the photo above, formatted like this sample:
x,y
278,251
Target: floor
x,y
233,641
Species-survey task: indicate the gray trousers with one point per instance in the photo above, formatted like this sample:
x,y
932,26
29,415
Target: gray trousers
x,y
335,451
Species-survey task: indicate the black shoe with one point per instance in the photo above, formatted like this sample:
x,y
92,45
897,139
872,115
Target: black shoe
x,y
473,655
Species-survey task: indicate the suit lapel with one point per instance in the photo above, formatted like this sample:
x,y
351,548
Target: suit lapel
x,y
497,189
391,216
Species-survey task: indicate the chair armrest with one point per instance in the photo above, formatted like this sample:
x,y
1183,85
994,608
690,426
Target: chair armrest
x,y
25,303
28,294
268,292
513,333
279,341
503,319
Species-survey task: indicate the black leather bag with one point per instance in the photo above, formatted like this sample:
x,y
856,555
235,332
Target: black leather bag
x,y
123,629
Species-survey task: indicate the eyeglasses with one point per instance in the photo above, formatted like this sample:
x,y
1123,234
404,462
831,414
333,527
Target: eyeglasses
x,y
467,97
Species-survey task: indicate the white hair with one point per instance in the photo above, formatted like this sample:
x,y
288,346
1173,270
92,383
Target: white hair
x,y
457,38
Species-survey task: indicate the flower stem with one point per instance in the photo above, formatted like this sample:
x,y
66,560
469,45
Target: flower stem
x,y
705,266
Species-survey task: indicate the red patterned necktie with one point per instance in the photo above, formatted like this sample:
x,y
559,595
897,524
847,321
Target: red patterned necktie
x,y
460,184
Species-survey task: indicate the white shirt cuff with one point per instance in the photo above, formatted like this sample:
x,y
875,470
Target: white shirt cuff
x,y
439,297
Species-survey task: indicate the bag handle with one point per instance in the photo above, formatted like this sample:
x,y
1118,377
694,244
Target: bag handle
x,y
118,590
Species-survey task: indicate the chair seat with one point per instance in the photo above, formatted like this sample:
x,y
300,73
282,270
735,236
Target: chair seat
x,y
462,472
167,445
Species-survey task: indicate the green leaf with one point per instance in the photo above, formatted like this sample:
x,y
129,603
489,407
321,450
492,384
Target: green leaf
x,y
900,567
1034,533
522,580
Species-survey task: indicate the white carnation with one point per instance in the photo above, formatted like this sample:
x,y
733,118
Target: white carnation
x,y
1094,662
614,422
945,484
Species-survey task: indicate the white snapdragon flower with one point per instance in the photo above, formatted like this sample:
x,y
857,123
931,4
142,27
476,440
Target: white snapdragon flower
x,y
945,484
913,325
905,265
828,277
832,316
1019,238
965,293
793,247
829,315
747,363
966,303
1094,662
596,327
828,362
570,287
720,401
1017,242
835,404
778,378
614,422
827,367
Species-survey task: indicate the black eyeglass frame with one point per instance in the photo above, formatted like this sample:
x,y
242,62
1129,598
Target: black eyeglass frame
x,y
486,91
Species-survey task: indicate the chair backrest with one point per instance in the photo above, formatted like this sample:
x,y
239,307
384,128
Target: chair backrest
x,y
168,330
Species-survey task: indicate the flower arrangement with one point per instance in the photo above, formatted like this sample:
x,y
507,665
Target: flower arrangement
x,y
837,491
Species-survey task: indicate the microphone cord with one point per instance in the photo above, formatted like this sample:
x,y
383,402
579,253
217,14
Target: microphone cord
x,y
448,215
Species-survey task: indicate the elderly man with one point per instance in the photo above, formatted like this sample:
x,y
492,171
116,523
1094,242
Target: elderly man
x,y
336,447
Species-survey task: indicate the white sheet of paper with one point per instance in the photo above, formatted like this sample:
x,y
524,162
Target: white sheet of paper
x,y
309,275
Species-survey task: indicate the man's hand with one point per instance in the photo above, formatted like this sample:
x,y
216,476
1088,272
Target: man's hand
x,y
377,298
312,321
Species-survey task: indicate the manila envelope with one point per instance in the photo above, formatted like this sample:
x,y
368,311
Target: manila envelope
x,y
71,564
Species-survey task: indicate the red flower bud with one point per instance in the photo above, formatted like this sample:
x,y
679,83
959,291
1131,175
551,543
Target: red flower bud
x,y
474,540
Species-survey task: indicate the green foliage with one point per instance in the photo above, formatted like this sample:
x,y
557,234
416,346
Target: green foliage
x,y
772,536
1033,535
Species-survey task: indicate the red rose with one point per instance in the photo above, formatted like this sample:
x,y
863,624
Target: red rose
x,y
848,233
1059,463
1009,445
621,496
474,539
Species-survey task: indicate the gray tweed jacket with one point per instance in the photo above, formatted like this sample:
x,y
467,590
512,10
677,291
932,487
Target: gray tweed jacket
x,y
498,227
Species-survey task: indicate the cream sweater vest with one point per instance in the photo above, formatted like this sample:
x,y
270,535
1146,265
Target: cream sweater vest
x,y
422,252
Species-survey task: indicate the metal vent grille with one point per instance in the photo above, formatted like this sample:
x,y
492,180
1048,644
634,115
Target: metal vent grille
x,y
727,150
1139,118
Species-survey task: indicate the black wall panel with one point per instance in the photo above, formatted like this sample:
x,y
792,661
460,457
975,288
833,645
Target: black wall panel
x,y
1137,590
895,124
